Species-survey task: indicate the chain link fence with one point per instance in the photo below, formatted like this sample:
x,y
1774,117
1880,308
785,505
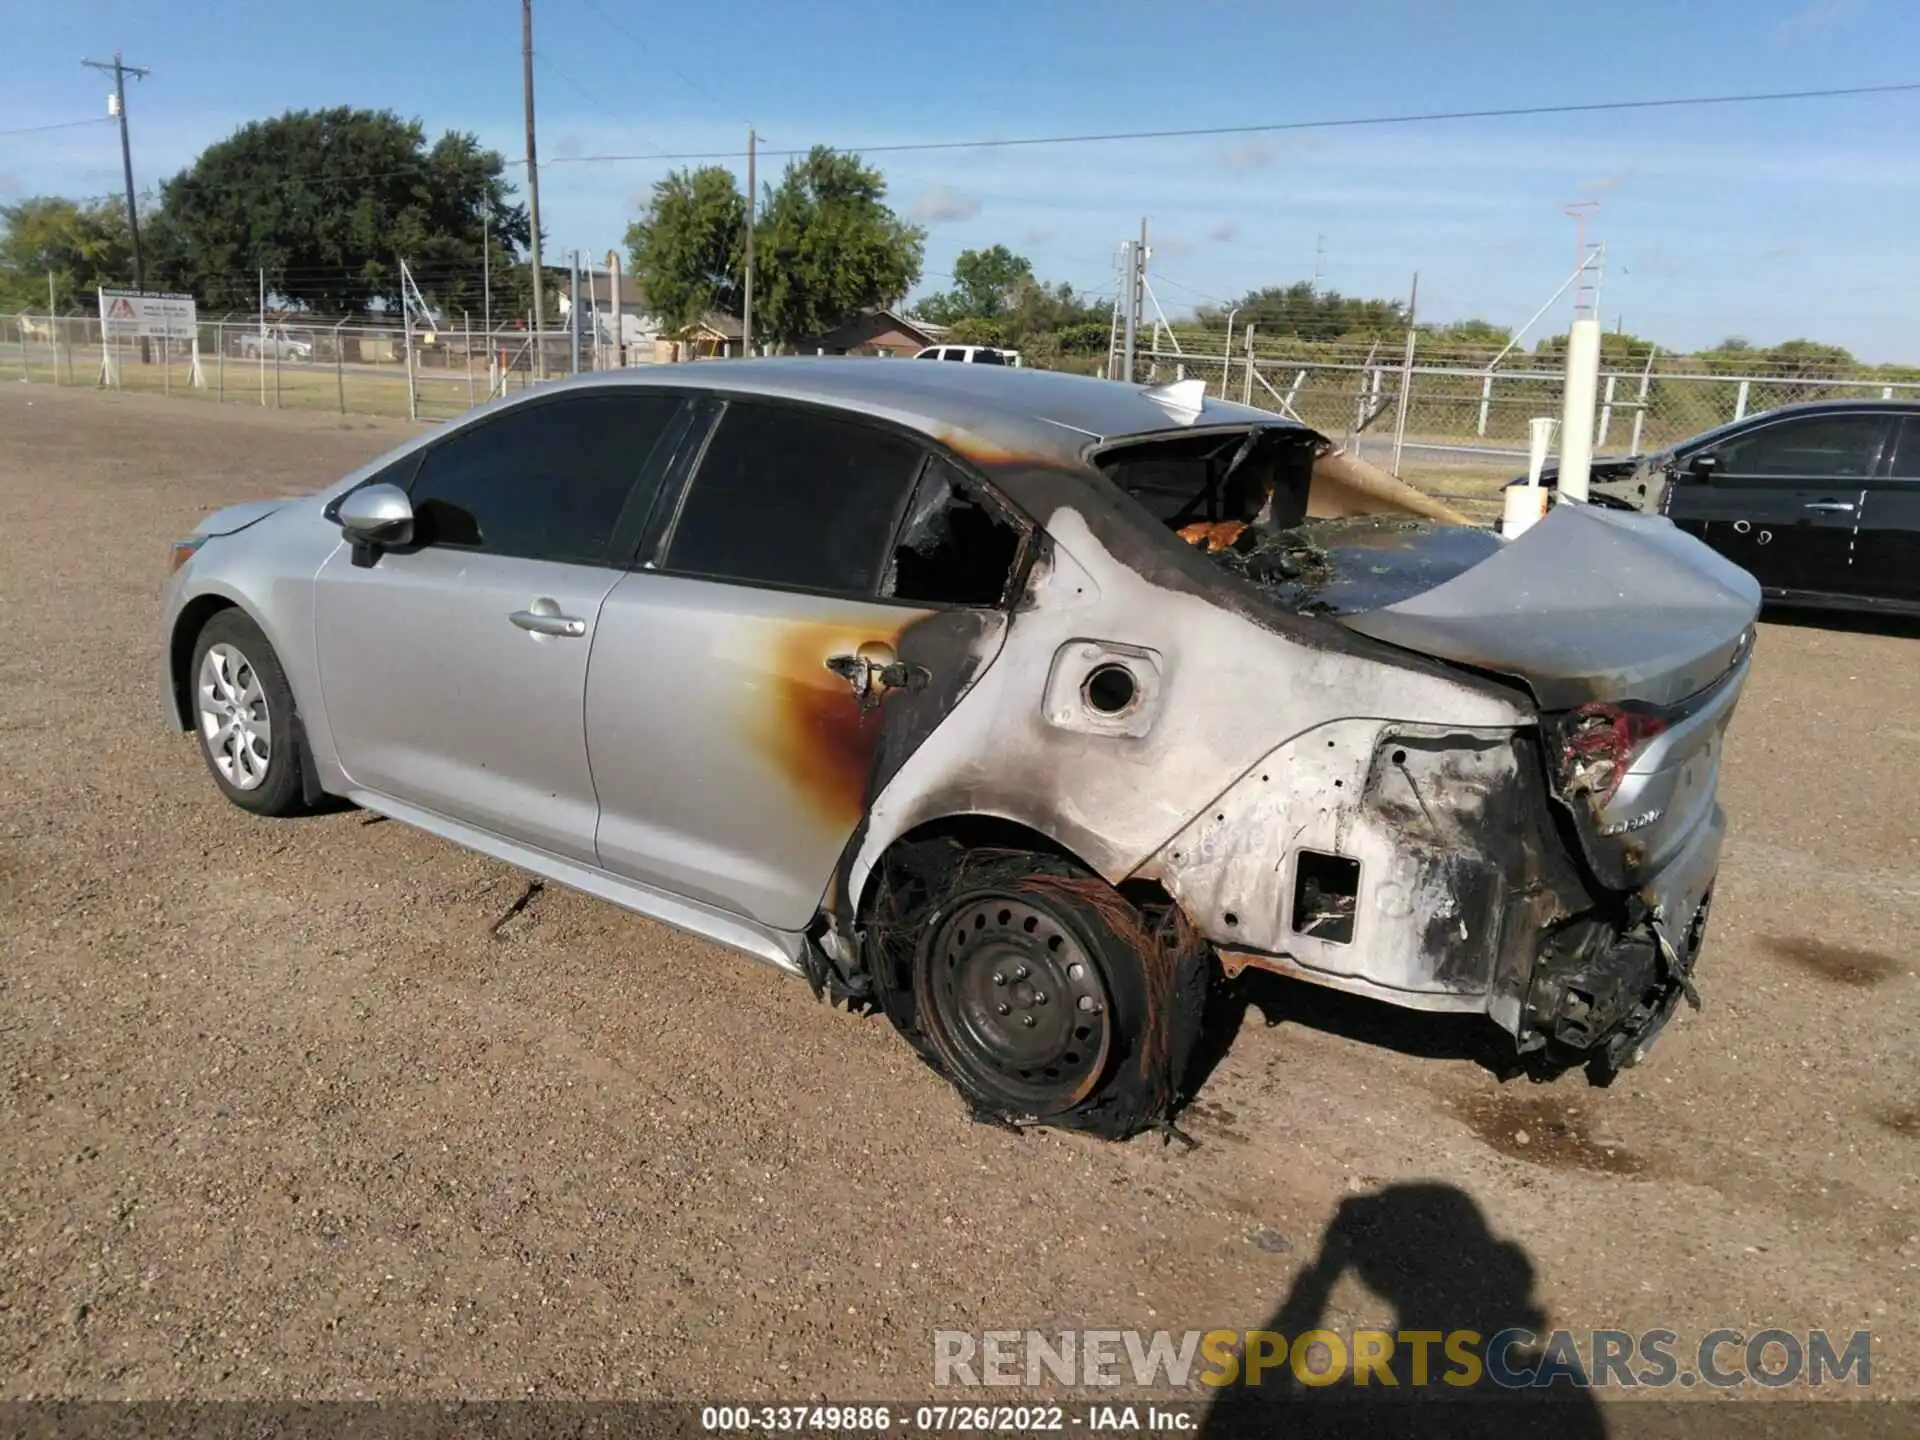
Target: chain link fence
x,y
1451,420
1457,423
294,362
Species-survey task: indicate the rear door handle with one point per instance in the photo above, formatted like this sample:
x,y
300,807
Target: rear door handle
x,y
1846,505
548,623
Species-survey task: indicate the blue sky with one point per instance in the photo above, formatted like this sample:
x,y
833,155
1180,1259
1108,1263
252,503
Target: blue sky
x,y
1769,221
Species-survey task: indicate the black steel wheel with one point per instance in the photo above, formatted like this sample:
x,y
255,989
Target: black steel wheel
x,y
1039,991
1020,1002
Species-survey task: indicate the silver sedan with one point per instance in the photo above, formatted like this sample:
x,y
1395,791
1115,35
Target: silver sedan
x,y
1017,706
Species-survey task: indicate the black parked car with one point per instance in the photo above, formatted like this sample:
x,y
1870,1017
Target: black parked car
x,y
1820,502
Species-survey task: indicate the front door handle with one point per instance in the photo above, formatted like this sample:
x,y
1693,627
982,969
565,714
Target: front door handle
x,y
1846,505
549,622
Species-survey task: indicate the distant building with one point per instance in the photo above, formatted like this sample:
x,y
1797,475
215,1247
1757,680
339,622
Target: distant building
x,y
876,332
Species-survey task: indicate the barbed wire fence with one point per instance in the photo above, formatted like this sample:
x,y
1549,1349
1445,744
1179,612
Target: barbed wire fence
x,y
1461,432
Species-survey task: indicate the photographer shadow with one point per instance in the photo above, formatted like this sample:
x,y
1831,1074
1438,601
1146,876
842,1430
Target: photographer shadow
x,y
1425,1248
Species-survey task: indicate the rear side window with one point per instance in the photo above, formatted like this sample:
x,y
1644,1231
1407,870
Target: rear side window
x,y
1826,447
1906,461
928,355
543,482
794,498
988,357
956,546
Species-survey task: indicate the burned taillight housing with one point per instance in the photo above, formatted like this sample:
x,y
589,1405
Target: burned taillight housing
x,y
1597,744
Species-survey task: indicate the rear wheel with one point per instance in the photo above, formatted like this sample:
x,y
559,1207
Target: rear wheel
x,y
244,718
1046,997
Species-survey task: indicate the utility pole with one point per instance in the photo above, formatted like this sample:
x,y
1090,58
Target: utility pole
x,y
746,308
533,173
1319,260
1136,283
120,71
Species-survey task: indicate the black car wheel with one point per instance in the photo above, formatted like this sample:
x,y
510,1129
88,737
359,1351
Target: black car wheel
x,y
1046,997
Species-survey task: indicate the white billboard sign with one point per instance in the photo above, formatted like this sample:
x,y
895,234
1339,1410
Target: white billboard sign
x,y
147,315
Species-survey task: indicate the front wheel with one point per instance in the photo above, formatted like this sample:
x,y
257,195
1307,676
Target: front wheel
x,y
244,717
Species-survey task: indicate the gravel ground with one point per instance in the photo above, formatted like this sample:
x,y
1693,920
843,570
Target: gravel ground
x,y
289,1113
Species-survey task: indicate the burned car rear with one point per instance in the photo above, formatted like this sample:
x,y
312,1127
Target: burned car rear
x,y
1015,705
1309,721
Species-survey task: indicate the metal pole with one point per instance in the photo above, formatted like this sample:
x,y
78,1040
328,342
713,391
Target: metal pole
x,y
1640,410
619,326
466,324
746,304
220,364
1486,401
276,374
262,356
1606,413
1226,355
406,317
1136,260
1406,376
486,272
339,369
573,313
533,175
1246,396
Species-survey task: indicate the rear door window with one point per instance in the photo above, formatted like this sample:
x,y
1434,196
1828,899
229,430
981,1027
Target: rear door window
x,y
1824,447
957,545
544,481
794,498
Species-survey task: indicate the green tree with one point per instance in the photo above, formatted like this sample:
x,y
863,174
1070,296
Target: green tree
x,y
986,285
687,250
1302,311
81,246
1808,360
829,247
326,203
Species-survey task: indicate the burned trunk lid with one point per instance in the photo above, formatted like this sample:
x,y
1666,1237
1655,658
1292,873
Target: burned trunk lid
x,y
1591,604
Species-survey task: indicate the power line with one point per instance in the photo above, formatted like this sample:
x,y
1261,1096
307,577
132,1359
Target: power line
x,y
1347,123
1516,112
645,49
58,125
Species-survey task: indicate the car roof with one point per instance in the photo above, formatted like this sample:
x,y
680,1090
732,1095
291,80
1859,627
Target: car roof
x,y
1798,408
994,412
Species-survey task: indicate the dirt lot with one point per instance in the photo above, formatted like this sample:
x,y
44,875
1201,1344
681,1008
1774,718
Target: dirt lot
x,y
287,1113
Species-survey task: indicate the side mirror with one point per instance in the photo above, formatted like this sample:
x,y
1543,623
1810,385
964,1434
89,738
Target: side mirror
x,y
1704,467
376,515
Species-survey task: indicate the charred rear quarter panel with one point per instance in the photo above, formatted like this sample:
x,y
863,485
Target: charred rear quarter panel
x,y
1229,690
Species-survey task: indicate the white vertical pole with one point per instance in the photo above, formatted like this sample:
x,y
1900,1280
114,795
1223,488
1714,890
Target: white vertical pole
x,y
1486,403
1246,380
262,357
1226,355
1606,414
1576,413
1740,401
1640,408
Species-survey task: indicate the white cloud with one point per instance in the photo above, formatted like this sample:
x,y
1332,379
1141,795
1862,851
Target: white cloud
x,y
943,202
